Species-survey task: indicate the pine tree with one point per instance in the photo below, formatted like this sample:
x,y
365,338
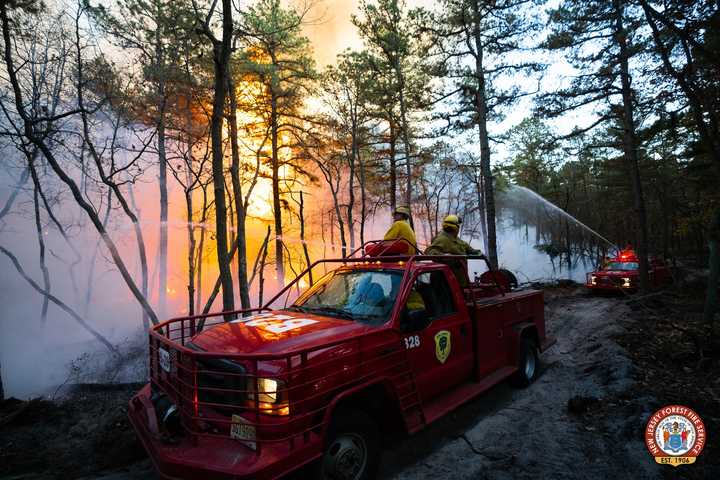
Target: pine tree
x,y
396,48
478,41
600,39
281,59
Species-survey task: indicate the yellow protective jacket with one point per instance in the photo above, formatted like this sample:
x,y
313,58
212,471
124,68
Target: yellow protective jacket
x,y
445,243
402,229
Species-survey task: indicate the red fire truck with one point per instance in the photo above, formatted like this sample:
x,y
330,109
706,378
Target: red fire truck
x,y
380,343
622,273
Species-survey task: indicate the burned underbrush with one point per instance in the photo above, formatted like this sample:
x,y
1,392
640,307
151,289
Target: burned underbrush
x,y
86,432
677,360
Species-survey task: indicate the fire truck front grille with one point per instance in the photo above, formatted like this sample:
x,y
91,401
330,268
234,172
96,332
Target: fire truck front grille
x,y
221,382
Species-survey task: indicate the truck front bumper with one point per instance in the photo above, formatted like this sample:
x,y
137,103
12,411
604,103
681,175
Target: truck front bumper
x,y
213,458
604,287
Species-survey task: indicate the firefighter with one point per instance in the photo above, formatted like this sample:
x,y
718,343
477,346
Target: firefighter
x,y
447,241
401,229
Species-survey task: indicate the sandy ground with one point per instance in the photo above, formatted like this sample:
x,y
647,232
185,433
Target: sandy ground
x,y
583,418
533,432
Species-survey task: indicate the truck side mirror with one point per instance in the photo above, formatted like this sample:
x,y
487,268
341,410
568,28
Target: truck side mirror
x,y
415,320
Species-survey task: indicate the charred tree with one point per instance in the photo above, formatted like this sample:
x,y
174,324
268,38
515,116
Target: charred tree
x,y
238,198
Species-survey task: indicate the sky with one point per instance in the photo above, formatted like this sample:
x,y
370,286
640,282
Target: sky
x,y
331,30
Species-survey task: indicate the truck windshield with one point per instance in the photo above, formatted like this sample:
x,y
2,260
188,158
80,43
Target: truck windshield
x,y
365,296
622,266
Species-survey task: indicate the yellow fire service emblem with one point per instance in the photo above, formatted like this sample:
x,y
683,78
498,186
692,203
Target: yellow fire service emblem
x,y
442,345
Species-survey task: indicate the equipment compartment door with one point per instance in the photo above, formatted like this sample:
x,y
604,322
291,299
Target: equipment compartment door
x,y
489,320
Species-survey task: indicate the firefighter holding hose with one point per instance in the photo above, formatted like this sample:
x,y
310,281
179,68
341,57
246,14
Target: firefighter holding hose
x,y
447,242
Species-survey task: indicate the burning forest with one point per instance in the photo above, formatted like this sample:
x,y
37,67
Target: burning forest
x,y
256,186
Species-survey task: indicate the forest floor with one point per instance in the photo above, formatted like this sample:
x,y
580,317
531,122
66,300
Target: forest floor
x,y
616,361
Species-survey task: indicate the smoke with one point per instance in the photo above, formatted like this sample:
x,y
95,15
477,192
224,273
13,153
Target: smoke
x,y
330,29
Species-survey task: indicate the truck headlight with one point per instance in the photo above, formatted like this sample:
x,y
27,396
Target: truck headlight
x,y
626,282
593,280
267,390
269,396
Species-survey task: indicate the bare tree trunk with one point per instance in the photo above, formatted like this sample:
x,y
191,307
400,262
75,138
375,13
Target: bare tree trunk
x,y
341,225
201,247
41,238
261,281
482,115
351,184
239,206
277,212
630,145
400,77
263,246
302,236
322,234
393,168
478,181
221,57
191,251
16,189
363,199
93,260
142,254
162,161
332,230
163,255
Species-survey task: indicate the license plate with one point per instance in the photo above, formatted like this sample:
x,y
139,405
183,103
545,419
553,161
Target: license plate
x,y
241,431
164,359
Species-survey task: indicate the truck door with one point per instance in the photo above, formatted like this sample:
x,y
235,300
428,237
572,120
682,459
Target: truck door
x,y
440,351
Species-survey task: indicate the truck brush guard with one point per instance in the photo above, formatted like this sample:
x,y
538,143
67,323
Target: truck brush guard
x,y
225,395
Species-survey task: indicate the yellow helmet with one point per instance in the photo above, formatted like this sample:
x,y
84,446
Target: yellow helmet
x,y
402,209
452,220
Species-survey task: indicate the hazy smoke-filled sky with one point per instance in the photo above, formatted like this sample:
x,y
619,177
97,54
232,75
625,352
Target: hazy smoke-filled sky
x,y
331,31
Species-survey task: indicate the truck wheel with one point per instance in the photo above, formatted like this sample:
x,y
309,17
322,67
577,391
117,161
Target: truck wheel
x,y
528,364
352,450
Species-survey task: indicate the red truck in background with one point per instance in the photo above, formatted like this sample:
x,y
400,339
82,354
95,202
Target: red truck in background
x,y
622,273
379,343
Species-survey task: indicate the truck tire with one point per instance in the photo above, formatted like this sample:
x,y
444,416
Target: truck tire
x,y
352,448
528,363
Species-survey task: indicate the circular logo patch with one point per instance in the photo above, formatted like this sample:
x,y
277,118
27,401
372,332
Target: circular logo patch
x,y
675,435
